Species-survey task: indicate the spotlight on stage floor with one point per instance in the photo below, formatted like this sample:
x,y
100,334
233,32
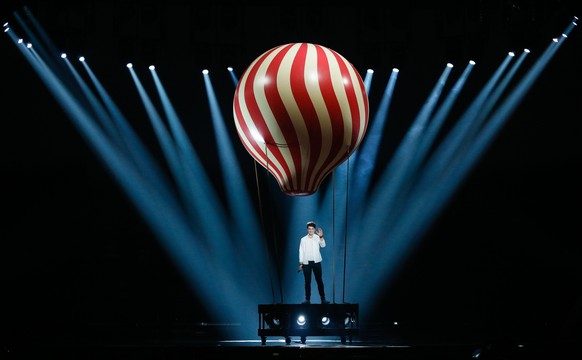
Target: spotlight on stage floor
x,y
305,320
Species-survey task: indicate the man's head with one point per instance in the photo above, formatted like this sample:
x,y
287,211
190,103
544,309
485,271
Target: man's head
x,y
311,224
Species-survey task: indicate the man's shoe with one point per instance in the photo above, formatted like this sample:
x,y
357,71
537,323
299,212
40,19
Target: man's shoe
x,y
324,301
306,302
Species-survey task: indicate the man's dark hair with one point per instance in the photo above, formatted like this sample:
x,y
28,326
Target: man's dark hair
x,y
311,223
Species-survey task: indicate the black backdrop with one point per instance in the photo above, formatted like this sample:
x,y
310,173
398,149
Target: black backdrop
x,y
75,252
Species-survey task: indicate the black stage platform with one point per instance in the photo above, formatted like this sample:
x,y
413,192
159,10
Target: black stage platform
x,y
308,320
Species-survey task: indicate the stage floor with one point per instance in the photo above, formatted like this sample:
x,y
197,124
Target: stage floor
x,y
313,348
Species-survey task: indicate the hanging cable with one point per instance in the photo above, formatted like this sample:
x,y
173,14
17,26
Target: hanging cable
x,y
333,234
346,228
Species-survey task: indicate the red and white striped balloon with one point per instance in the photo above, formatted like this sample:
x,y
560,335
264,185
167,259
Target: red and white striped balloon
x,y
300,110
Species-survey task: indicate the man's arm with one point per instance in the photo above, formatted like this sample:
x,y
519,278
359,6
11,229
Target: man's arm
x,y
321,239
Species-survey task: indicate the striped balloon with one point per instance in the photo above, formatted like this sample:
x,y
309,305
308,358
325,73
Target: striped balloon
x,y
300,110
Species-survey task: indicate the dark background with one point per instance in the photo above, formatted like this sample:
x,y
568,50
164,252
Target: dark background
x,y
75,253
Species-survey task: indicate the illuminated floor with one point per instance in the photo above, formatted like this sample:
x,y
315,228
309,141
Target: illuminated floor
x,y
108,344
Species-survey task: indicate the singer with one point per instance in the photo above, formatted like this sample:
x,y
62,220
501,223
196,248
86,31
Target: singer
x,y
310,261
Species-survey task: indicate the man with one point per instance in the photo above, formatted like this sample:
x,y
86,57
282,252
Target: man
x,y
310,261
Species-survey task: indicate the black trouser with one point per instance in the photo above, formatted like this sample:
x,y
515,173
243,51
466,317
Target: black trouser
x,y
316,267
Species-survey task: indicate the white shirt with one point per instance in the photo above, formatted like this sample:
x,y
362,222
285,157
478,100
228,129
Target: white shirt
x,y
309,249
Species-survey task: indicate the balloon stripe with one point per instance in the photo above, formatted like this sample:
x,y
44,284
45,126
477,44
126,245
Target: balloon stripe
x,y
255,126
343,125
350,113
331,86
300,90
320,140
268,100
246,129
350,103
358,104
282,129
298,128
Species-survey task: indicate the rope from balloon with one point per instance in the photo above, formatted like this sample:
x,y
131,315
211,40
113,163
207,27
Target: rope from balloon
x,y
346,224
345,229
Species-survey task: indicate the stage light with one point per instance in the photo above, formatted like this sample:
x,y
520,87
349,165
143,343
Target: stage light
x,y
449,65
555,40
152,67
20,41
370,71
325,320
395,70
301,320
129,65
29,45
63,56
5,24
205,71
81,58
273,321
229,68
526,50
349,319
511,53
6,29
471,62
